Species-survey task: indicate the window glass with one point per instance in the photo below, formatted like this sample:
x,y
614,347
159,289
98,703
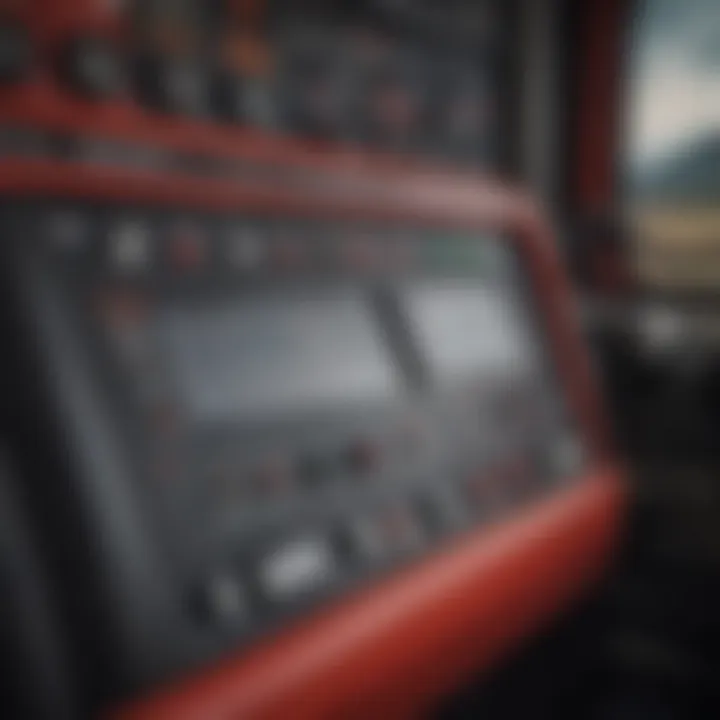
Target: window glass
x,y
673,142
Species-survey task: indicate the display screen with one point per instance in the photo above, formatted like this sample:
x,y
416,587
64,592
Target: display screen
x,y
467,329
268,356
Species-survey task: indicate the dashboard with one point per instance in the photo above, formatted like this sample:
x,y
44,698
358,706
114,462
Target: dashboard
x,y
260,418
290,407
294,388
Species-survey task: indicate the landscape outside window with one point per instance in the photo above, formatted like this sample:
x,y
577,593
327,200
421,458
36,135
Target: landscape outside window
x,y
672,156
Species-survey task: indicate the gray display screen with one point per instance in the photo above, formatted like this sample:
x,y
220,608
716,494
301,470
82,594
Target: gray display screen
x,y
467,329
276,355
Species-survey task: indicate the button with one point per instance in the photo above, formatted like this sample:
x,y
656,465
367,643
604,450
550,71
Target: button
x,y
346,546
365,538
393,106
567,455
91,67
221,599
314,469
15,52
400,252
296,568
289,253
130,245
401,529
186,87
489,492
130,341
187,247
479,493
315,101
68,230
362,457
362,253
176,85
518,477
165,416
246,251
442,511
223,481
413,436
227,95
385,533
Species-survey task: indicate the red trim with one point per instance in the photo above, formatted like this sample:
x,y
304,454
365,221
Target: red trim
x,y
42,104
428,196
600,61
53,20
394,649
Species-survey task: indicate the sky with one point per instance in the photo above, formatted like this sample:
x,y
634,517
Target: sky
x,y
674,76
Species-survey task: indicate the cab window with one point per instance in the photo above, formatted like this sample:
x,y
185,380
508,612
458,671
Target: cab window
x,y
672,154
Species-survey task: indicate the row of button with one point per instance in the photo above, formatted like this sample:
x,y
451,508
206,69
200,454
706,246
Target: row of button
x,y
278,475
514,469
136,243
314,100
310,563
133,245
307,564
92,67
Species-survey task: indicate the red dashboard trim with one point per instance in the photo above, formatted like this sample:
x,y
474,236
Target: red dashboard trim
x,y
41,104
394,649
600,78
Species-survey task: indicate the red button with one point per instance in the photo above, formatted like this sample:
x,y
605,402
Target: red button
x,y
188,248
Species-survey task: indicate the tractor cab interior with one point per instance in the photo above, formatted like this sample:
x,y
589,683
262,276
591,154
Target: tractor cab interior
x,y
359,359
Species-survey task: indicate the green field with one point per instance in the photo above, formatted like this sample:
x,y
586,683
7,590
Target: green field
x,y
677,246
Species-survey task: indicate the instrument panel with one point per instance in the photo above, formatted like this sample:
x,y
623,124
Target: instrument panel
x,y
289,408
417,78
295,392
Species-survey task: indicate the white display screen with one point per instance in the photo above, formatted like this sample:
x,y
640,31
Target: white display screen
x,y
469,330
276,355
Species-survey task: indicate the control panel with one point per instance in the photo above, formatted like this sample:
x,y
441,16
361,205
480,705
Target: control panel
x,y
283,408
279,363
423,78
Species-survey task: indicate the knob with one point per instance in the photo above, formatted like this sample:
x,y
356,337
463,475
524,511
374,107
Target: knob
x,y
174,85
91,66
